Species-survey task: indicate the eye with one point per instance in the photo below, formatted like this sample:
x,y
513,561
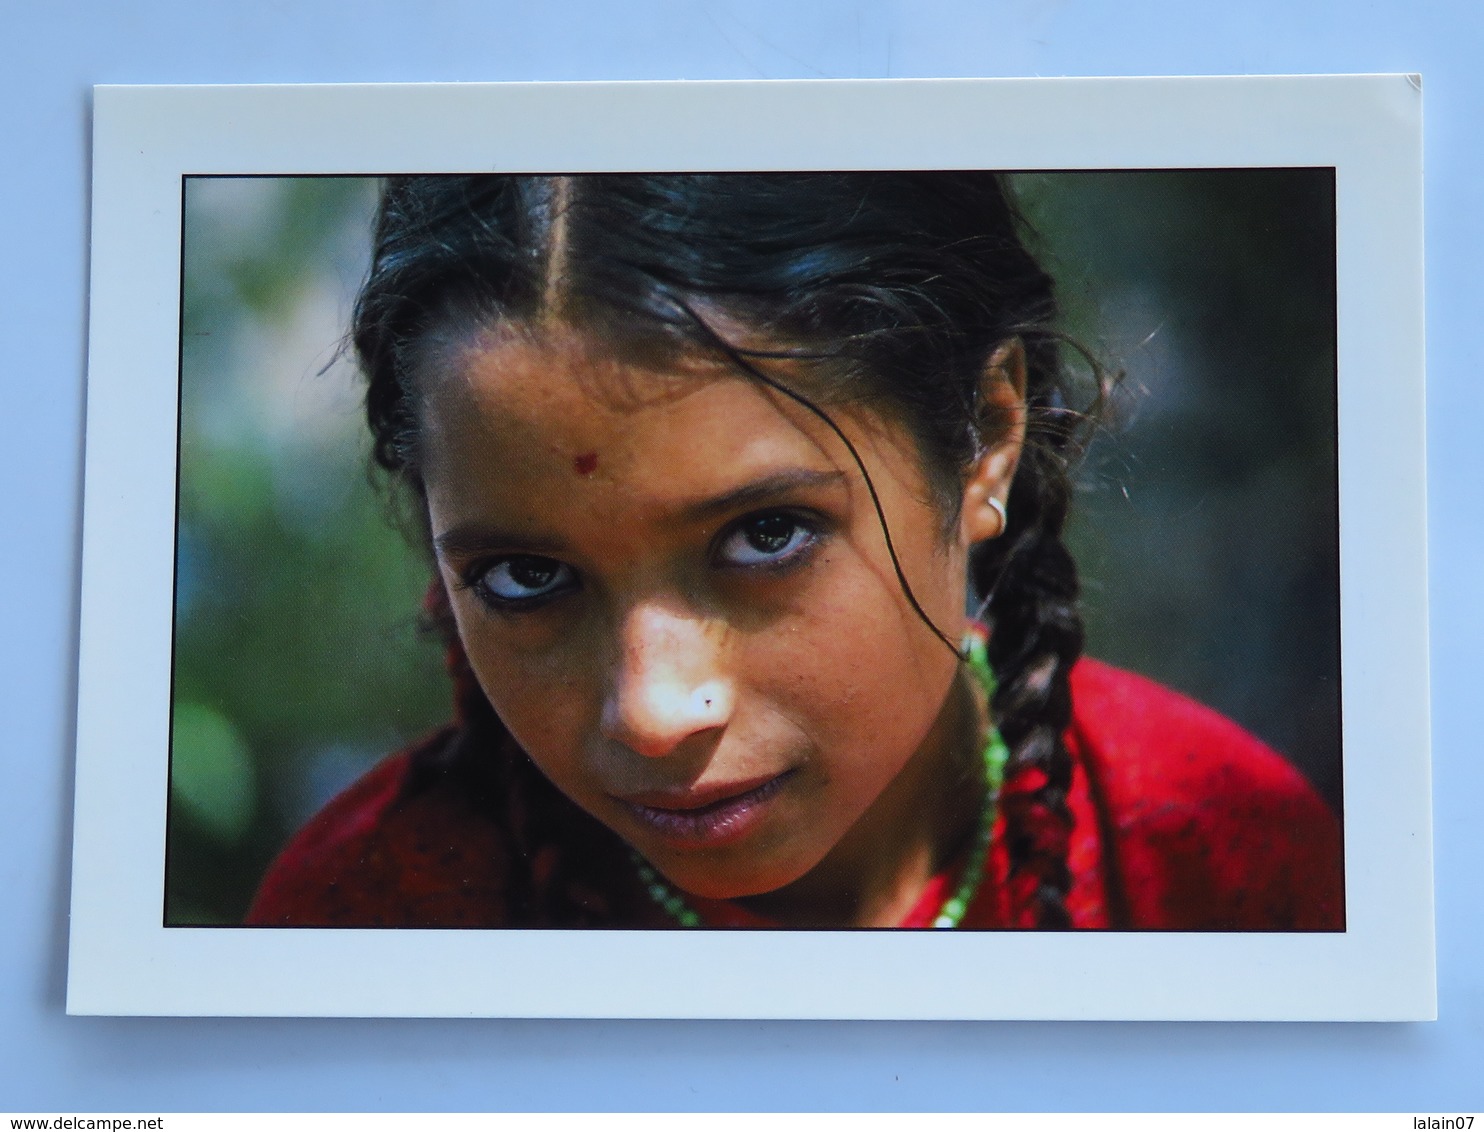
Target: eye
x,y
766,539
522,579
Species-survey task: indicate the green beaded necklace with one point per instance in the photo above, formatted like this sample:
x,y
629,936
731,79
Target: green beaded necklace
x,y
994,757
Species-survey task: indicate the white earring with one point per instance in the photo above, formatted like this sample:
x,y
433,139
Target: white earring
x,y
999,509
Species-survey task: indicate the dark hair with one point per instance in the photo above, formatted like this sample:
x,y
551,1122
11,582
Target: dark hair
x,y
893,289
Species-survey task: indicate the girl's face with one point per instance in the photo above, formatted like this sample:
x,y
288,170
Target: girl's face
x,y
675,591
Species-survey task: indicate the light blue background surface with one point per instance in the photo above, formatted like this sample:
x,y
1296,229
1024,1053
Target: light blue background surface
x,y
49,57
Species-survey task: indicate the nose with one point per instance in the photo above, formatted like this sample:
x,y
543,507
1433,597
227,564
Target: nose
x,y
667,684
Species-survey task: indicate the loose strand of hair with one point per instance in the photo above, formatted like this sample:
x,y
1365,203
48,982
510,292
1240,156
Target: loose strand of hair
x,y
741,360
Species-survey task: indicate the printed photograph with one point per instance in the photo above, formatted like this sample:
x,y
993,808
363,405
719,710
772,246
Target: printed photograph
x,y
942,550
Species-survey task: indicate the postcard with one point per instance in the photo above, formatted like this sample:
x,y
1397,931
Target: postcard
x,y
756,549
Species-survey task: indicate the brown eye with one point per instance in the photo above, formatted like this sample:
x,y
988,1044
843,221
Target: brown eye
x,y
771,537
524,578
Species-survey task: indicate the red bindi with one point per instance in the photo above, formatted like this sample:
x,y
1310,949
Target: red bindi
x,y
586,463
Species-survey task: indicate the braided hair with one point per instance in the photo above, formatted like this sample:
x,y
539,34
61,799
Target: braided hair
x,y
889,289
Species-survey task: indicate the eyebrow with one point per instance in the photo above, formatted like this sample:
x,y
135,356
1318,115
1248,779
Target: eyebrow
x,y
764,490
468,540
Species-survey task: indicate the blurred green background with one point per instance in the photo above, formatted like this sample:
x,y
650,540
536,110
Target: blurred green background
x,y
1205,523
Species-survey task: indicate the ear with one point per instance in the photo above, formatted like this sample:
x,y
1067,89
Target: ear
x,y
1001,424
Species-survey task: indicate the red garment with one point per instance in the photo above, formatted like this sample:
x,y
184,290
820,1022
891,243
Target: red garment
x,y
1182,821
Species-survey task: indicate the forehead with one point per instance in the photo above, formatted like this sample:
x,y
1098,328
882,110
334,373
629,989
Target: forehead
x,y
555,402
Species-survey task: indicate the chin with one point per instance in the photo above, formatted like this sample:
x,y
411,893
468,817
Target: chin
x,y
720,883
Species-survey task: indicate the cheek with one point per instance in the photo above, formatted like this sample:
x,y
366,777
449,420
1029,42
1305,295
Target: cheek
x,y
542,701
860,673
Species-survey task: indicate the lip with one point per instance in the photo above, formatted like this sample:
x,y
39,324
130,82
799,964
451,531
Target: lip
x,y
706,818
